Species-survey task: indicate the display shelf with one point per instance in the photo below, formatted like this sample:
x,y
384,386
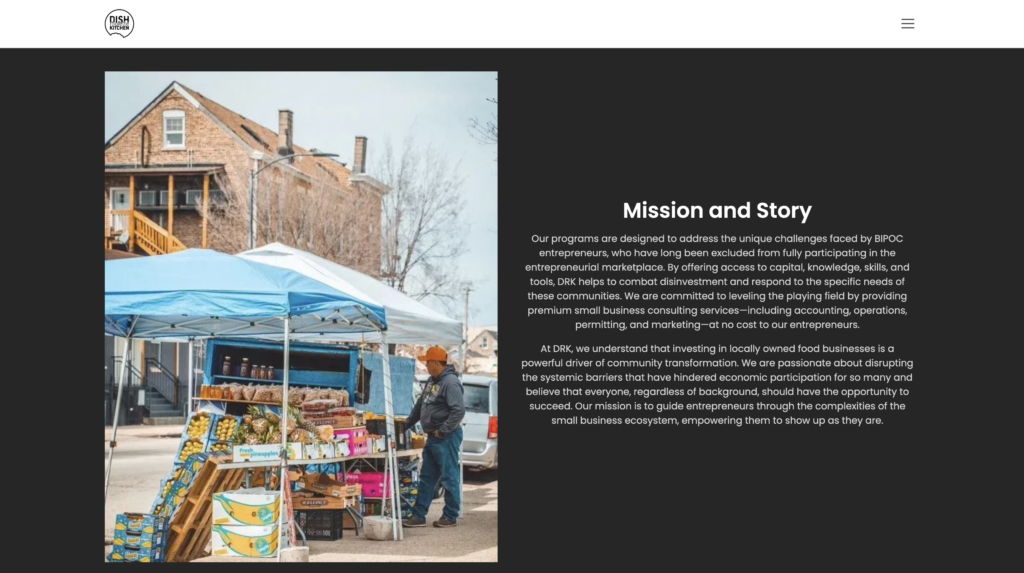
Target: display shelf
x,y
275,463
238,401
241,379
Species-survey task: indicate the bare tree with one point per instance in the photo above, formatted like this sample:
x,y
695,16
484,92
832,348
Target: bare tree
x,y
424,228
317,215
486,132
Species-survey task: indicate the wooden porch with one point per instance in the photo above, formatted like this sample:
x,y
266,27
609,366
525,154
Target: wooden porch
x,y
131,228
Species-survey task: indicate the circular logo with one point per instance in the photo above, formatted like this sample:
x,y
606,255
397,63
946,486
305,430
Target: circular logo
x,y
119,22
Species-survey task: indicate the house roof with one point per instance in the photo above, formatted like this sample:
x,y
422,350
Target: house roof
x,y
264,140
257,138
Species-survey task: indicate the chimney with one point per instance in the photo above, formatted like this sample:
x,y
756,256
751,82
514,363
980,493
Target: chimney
x,y
359,161
284,132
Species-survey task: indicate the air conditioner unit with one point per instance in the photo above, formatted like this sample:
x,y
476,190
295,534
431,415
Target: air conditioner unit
x,y
163,197
193,197
147,198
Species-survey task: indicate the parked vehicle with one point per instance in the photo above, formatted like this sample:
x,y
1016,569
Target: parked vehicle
x,y
480,426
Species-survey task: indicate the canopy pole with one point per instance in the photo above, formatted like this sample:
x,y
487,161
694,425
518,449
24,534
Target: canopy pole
x,y
284,445
117,413
191,374
392,458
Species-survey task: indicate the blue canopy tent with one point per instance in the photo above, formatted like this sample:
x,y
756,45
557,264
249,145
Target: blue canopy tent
x,y
199,293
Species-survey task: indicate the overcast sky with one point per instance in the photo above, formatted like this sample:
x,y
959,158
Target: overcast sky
x,y
332,108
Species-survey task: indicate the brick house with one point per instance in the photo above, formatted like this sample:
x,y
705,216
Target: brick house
x,y
177,176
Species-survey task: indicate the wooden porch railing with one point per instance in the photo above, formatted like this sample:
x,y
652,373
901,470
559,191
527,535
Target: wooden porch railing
x,y
153,238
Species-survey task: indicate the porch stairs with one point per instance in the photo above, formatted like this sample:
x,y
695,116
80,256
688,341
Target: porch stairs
x,y
161,411
144,234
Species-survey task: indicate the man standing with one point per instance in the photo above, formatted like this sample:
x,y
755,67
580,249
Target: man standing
x,y
440,411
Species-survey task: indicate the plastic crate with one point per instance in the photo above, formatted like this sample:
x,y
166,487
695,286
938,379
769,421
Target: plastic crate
x,y
320,524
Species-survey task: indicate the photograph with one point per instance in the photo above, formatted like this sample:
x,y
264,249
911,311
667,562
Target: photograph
x,y
301,327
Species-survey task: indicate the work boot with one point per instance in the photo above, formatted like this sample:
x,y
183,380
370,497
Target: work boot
x,y
415,522
444,522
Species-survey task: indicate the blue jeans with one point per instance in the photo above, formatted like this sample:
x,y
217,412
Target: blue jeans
x,y
440,462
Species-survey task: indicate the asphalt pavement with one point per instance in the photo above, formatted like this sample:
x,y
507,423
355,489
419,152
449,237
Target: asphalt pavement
x,y
142,458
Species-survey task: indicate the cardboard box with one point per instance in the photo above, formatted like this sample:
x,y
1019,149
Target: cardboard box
x,y
140,523
334,421
246,507
311,451
139,540
245,540
307,502
342,449
123,553
296,451
327,450
257,453
326,485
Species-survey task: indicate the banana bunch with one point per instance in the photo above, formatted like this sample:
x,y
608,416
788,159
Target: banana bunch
x,y
167,488
199,427
193,446
220,447
226,428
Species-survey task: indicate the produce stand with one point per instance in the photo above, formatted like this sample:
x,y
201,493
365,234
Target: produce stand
x,y
197,295
203,294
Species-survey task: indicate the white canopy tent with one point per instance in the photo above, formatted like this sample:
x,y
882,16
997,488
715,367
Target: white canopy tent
x,y
409,321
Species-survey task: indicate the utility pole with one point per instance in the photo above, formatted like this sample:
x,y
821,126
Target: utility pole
x,y
465,330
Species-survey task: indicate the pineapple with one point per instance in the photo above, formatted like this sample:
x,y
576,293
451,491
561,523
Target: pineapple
x,y
297,436
252,440
260,426
274,437
308,426
272,418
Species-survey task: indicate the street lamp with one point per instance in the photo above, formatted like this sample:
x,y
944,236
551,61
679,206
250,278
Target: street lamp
x,y
256,156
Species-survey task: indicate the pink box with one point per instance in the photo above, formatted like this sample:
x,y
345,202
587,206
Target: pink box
x,y
350,433
372,482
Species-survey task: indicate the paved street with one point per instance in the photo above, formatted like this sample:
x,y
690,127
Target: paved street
x,y
141,461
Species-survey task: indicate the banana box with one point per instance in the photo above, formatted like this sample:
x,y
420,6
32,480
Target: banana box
x,y
246,507
174,498
124,553
312,451
140,523
139,540
326,450
296,451
245,540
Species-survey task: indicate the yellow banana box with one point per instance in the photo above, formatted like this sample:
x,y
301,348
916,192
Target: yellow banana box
x,y
235,508
136,554
139,540
244,540
140,523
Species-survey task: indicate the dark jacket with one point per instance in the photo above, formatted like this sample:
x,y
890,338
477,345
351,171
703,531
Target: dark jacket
x,y
440,406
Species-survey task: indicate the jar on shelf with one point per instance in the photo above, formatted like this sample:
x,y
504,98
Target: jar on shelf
x,y
261,372
270,373
226,367
215,393
243,371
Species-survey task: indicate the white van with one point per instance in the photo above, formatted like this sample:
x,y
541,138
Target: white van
x,y
480,426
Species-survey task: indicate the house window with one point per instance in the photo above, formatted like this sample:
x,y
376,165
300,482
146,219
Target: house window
x,y
483,344
174,129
